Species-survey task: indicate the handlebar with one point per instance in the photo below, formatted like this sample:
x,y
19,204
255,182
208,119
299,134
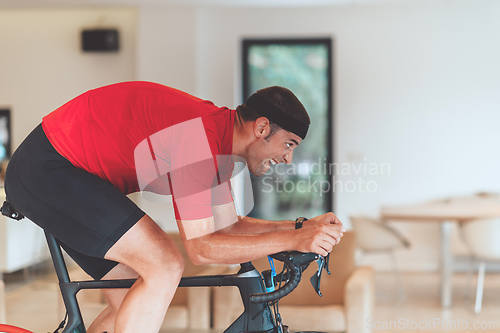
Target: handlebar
x,y
296,262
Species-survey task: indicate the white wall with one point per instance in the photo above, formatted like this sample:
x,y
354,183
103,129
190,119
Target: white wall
x,y
416,85
166,46
42,65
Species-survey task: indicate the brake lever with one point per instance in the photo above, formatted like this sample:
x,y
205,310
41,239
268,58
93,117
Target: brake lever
x,y
323,263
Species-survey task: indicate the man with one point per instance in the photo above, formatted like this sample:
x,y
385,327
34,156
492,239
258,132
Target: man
x,y
72,173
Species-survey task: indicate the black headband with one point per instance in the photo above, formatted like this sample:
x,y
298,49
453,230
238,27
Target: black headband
x,y
275,115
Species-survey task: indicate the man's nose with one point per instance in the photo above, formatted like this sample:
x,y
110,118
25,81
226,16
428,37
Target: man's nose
x,y
288,157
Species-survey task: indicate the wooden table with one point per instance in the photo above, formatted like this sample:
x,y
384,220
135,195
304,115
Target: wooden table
x,y
446,212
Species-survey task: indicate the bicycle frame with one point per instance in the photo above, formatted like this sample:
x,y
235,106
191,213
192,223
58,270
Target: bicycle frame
x,y
256,317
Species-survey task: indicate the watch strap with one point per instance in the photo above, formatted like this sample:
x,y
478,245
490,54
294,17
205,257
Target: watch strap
x,y
299,221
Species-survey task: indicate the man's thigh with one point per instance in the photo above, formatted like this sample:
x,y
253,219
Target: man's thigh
x,y
147,249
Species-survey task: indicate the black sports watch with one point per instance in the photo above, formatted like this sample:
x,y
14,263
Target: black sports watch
x,y
299,221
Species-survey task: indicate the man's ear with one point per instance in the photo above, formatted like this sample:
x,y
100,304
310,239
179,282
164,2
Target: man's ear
x,y
262,127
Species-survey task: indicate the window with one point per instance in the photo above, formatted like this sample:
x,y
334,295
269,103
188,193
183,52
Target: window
x,y
4,134
303,66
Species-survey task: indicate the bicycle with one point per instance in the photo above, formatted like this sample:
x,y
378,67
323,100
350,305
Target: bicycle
x,y
257,289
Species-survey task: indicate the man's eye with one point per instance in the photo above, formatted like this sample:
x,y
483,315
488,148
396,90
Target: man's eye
x,y
288,145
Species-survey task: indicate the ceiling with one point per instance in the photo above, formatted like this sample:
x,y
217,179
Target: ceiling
x,y
208,3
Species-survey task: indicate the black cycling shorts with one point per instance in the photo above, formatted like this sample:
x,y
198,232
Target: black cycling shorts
x,y
85,213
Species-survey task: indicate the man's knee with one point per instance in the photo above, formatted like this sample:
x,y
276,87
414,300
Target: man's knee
x,y
114,298
170,269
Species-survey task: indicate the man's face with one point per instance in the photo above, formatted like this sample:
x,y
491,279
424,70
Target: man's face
x,y
278,148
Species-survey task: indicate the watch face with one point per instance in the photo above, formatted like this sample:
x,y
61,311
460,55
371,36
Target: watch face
x,y
299,221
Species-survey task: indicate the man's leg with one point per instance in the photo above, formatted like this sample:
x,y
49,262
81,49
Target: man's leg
x,y
147,250
105,322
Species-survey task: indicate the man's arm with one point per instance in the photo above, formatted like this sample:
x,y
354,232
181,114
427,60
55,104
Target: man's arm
x,y
224,248
250,225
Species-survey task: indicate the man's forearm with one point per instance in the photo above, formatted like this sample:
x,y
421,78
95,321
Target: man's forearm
x,y
224,248
250,225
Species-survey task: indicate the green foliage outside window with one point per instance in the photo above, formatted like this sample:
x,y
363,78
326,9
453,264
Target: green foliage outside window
x,y
293,190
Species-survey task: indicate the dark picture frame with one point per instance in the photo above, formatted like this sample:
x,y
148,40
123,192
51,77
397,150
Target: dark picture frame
x,y
5,134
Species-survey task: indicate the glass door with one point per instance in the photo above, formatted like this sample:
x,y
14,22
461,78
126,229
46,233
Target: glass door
x,y
303,66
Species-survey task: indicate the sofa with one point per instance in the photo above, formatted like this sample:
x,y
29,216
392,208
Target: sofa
x,y
347,303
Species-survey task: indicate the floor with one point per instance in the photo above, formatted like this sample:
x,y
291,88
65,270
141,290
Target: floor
x,y
32,302
419,309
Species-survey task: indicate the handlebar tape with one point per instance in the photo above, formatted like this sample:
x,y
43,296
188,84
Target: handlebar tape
x,y
293,282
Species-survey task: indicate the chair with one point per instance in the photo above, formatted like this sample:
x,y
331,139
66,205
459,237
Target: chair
x,y
388,239
481,237
347,303
376,236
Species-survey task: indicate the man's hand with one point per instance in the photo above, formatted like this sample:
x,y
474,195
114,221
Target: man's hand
x,y
319,238
327,218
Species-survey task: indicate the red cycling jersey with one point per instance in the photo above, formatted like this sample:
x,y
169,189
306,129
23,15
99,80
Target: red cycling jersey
x,y
102,130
